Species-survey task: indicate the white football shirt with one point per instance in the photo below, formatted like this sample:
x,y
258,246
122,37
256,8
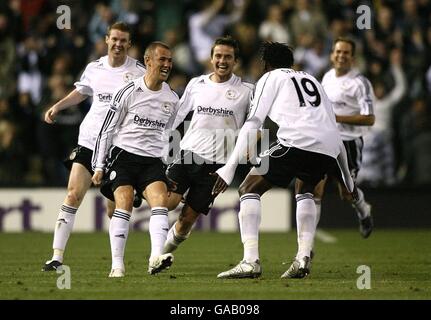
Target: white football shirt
x,y
219,111
140,118
350,94
99,80
297,103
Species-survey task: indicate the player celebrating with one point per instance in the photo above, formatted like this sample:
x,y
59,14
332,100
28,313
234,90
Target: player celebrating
x,y
140,115
308,146
99,80
352,99
219,101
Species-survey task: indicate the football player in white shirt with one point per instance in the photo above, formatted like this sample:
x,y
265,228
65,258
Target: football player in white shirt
x,y
352,98
130,146
99,80
308,146
219,101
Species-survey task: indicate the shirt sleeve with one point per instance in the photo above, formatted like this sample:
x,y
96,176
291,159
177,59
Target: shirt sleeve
x,y
365,96
185,105
83,86
116,113
263,99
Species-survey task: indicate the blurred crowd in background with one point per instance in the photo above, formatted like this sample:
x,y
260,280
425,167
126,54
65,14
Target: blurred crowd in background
x,y
40,63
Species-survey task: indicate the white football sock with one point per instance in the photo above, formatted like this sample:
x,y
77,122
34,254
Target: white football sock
x,y
305,223
118,232
159,226
249,222
361,206
63,228
173,240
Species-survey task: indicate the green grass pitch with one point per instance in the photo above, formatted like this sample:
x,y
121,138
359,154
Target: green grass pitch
x,y
399,261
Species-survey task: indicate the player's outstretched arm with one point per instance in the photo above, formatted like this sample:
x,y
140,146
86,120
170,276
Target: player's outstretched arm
x,y
357,119
72,99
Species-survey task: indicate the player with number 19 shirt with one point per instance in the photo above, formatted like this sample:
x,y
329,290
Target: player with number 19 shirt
x,y
309,145
300,108
311,129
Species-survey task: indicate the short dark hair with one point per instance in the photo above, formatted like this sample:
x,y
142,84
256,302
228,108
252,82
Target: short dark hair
x,y
119,25
226,41
153,45
347,40
276,55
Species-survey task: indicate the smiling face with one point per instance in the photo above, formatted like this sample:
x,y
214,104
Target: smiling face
x,y
223,61
159,63
342,57
118,43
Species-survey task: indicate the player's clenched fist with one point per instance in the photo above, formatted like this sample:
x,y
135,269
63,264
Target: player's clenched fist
x,y
50,115
97,177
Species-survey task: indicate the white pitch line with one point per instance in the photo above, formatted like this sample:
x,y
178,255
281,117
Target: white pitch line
x,y
325,237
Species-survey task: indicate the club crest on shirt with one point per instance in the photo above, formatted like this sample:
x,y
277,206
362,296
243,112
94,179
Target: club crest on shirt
x,y
231,94
128,76
166,109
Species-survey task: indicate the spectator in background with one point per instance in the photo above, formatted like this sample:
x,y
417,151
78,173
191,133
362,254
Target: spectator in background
x,y
62,136
378,154
273,27
208,24
7,54
146,31
246,34
182,56
412,25
30,60
308,21
99,50
12,155
100,21
416,135
12,9
125,10
313,59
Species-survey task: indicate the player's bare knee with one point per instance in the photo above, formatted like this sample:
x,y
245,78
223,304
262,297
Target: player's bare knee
x,y
124,198
159,200
74,197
